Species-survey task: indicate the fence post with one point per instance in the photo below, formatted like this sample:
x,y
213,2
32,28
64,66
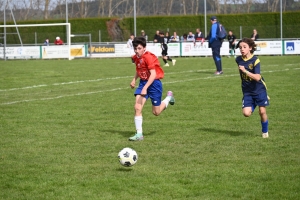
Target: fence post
x,y
35,38
99,35
241,32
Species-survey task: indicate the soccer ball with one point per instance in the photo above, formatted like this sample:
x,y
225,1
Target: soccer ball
x,y
127,157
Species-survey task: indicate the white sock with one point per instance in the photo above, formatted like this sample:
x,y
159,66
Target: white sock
x,y
138,120
166,101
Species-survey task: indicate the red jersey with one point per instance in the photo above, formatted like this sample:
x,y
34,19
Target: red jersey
x,y
147,62
58,42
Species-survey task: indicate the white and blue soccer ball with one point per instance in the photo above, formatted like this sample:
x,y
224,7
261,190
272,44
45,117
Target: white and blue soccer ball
x,y
128,157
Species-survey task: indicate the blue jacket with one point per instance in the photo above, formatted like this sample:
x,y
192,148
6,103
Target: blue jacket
x,y
214,41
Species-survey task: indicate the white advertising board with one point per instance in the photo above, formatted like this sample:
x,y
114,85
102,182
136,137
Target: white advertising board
x,y
292,47
59,51
268,48
154,48
121,50
20,52
198,49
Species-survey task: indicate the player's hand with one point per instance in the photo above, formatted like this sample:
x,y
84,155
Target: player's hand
x,y
242,68
144,92
132,84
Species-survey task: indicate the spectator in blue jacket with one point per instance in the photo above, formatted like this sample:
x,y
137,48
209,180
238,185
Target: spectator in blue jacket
x,y
215,44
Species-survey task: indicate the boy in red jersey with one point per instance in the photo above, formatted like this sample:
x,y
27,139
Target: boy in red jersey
x,y
149,71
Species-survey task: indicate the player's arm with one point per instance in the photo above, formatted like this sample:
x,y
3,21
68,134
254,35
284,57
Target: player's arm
x,y
253,76
149,82
132,84
234,40
213,35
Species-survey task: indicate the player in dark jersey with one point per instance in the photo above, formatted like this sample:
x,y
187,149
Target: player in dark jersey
x,y
149,72
253,86
231,39
164,47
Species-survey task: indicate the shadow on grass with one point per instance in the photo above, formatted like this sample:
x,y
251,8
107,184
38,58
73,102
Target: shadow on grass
x,y
124,169
228,132
127,133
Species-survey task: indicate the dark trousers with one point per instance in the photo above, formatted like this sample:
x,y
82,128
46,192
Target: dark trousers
x,y
217,57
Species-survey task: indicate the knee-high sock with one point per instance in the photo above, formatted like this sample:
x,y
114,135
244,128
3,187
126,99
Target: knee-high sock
x,y
138,120
265,126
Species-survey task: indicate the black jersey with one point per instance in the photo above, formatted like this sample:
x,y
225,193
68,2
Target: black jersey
x,y
163,41
231,38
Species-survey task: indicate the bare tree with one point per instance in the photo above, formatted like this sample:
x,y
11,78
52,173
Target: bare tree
x,y
272,5
82,9
169,7
225,7
248,4
47,9
183,7
196,7
47,2
275,5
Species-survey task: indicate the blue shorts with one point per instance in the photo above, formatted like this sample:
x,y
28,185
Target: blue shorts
x,y
260,100
154,91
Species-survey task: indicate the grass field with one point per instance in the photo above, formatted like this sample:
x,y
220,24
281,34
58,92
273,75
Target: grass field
x,y
64,122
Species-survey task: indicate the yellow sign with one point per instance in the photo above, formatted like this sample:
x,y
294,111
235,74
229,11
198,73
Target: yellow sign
x,y
102,49
261,44
76,52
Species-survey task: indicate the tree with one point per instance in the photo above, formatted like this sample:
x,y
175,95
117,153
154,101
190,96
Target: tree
x,y
46,8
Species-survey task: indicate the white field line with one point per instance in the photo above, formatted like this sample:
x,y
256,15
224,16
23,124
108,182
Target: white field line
x,y
115,89
114,78
64,83
85,81
59,97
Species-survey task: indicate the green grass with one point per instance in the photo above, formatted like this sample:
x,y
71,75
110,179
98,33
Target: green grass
x,y
63,123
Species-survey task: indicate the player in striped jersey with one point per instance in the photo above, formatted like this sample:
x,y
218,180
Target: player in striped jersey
x,y
164,47
253,86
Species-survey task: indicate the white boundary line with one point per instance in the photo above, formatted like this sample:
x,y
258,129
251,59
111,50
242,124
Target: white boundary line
x,y
116,89
113,78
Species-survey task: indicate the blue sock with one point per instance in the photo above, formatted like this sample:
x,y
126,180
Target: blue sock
x,y
265,126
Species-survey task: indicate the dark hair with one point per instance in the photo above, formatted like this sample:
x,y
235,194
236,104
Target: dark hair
x,y
248,41
139,40
161,33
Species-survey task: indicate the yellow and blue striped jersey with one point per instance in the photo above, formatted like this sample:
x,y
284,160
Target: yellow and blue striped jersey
x,y
250,86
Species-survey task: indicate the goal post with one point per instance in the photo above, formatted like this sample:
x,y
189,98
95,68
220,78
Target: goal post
x,y
68,32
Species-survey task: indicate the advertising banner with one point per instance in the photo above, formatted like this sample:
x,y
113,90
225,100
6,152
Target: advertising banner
x,y
20,52
102,50
154,48
78,51
58,51
268,48
292,47
174,49
122,50
201,49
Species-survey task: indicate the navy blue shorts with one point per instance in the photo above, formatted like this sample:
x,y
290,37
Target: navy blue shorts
x,y
255,100
154,91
